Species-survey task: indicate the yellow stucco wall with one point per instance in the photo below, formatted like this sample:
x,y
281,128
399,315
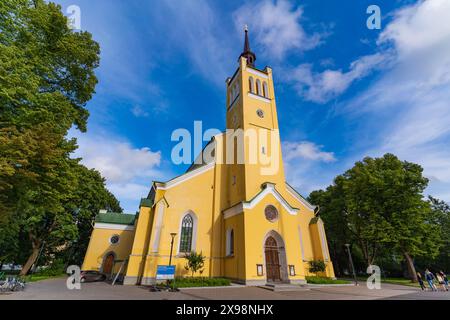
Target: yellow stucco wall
x,y
100,246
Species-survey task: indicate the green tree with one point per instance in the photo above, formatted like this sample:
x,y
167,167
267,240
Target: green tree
x,y
332,210
46,79
195,262
382,202
89,196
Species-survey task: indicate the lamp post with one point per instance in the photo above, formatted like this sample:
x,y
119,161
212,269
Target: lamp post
x,y
173,234
351,263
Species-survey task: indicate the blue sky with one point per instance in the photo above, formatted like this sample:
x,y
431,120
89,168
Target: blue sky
x,y
343,91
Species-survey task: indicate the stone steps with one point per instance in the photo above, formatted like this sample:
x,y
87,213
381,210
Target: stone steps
x,y
284,287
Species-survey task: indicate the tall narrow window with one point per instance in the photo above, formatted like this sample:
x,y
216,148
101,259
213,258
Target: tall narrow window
x,y
258,87
251,85
232,242
265,90
187,227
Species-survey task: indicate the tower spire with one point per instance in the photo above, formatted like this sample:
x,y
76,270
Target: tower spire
x,y
247,53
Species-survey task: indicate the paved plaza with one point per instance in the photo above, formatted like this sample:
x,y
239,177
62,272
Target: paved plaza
x,y
55,289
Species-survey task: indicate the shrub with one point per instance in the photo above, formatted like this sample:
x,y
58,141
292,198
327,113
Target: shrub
x,y
55,269
195,262
322,280
199,282
317,266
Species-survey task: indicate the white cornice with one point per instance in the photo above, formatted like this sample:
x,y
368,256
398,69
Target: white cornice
x,y
234,210
269,189
260,98
258,73
299,197
113,226
189,175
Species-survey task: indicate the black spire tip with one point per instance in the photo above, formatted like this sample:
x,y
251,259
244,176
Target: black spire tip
x,y
247,53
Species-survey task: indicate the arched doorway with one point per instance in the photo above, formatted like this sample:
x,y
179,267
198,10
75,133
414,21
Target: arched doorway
x,y
275,259
108,264
272,260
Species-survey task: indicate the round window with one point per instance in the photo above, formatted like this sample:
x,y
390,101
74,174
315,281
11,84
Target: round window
x,y
271,213
114,239
260,113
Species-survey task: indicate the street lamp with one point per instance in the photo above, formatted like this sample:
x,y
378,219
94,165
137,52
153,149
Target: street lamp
x,y
351,263
173,234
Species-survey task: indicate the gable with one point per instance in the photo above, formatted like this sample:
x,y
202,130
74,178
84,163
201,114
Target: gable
x,y
268,188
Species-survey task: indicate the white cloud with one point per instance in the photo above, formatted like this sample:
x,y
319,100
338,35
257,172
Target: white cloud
x,y
138,112
128,171
195,28
117,160
276,26
419,27
324,86
306,165
412,99
306,150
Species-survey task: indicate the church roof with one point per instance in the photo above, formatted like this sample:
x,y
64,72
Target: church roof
x,y
116,218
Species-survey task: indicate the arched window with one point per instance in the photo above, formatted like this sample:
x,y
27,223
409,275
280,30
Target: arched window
x,y
251,85
230,242
187,227
258,87
265,90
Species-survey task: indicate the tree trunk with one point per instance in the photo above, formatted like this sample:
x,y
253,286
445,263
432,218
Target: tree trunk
x,y
411,269
31,259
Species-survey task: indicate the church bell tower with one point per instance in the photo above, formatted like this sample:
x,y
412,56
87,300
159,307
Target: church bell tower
x,y
251,108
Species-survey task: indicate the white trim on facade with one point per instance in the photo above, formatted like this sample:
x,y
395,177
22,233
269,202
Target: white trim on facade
x,y
113,226
233,211
323,241
299,198
269,189
257,97
301,243
258,73
189,175
158,226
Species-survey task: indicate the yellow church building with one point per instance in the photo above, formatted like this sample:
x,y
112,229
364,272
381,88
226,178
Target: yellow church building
x,y
248,222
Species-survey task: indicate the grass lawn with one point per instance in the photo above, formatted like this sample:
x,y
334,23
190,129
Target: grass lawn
x,y
322,280
40,277
200,282
35,277
400,281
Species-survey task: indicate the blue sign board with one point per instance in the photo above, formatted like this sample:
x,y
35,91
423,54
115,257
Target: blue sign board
x,y
165,272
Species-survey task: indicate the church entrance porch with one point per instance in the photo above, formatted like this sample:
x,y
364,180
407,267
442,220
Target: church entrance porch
x,y
275,258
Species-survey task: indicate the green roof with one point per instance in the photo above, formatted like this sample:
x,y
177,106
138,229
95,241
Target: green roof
x,y
116,218
314,220
146,203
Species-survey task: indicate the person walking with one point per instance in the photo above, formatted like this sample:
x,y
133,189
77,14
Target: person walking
x,y
444,276
429,277
419,278
440,280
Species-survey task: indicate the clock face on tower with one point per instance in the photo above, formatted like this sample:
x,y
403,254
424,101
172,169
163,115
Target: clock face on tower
x,y
260,113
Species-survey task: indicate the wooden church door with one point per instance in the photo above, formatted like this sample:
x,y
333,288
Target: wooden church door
x,y
272,260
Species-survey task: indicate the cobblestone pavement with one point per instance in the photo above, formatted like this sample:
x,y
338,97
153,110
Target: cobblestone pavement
x,y
55,289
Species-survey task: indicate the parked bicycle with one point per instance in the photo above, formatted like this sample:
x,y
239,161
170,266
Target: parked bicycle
x,y
12,284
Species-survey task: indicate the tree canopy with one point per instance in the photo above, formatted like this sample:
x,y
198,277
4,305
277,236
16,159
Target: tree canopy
x,y
379,205
47,75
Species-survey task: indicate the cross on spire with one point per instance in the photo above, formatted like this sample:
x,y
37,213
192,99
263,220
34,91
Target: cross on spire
x,y
247,53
